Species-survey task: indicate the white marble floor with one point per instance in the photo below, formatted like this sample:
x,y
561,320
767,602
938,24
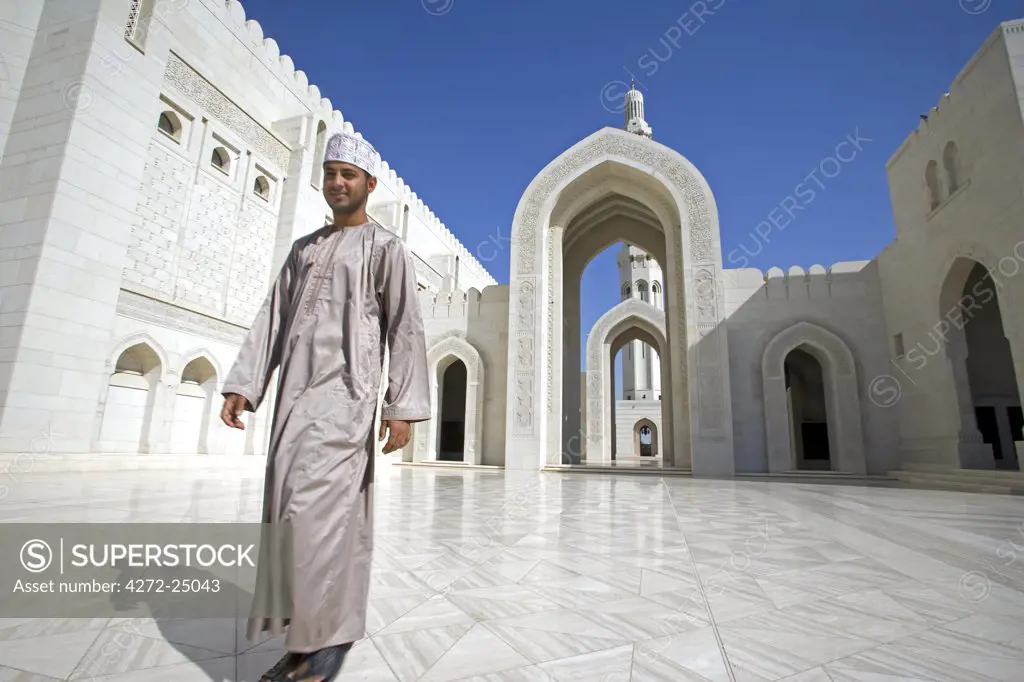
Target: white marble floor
x,y
495,577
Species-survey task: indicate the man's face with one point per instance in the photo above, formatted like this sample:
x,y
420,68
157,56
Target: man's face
x,y
346,187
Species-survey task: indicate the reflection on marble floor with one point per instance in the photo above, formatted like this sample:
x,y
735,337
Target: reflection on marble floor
x,y
493,577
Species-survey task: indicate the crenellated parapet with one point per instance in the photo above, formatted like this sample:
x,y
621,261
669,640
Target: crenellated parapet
x,y
942,118
268,52
453,305
841,279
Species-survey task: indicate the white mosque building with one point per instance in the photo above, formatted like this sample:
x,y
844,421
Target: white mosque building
x,y
158,158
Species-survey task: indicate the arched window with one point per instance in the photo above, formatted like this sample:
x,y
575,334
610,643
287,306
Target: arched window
x,y
626,293
641,290
170,125
261,187
931,177
220,160
656,294
318,155
952,167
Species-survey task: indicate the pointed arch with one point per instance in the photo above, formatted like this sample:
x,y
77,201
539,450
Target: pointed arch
x,y
637,446
199,353
931,179
130,412
194,409
680,212
951,165
631,314
443,352
134,340
842,398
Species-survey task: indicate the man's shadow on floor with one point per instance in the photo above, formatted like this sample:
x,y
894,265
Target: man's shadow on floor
x,y
182,620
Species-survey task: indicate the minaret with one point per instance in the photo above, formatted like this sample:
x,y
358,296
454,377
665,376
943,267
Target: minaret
x,y
634,113
640,277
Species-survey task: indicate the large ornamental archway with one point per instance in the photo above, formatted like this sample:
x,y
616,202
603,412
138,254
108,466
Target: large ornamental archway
x,y
615,186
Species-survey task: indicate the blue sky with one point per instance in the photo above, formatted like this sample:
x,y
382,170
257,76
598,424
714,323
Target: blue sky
x,y
469,99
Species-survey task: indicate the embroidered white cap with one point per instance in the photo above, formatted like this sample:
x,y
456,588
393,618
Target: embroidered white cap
x,y
352,148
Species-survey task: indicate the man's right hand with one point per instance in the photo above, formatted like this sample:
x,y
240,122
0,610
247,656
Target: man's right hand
x,y
234,405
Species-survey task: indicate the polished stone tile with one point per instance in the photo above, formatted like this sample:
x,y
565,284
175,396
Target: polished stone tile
x,y
13,675
773,645
410,653
608,665
552,635
513,577
477,652
51,655
691,656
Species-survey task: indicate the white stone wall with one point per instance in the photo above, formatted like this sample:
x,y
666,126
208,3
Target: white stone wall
x,y
627,414
175,348
108,219
845,300
980,221
18,23
151,251
482,320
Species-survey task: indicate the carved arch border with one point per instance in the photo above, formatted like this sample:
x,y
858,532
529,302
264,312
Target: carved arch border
x,y
629,313
842,397
694,253
455,346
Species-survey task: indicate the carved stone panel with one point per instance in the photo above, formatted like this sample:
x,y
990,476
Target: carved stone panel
x,y
524,405
536,243
188,81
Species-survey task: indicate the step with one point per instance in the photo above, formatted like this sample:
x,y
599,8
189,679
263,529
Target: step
x,y
1008,478
26,464
602,469
1002,475
818,475
953,481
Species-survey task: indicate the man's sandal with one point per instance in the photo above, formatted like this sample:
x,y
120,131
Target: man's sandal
x,y
281,672
321,666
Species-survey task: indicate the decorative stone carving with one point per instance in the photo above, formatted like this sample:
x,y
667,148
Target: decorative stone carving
x,y
527,306
533,242
704,295
149,266
168,315
551,320
524,405
526,300
710,398
187,80
251,260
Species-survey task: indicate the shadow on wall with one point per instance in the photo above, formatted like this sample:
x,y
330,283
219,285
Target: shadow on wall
x,y
803,347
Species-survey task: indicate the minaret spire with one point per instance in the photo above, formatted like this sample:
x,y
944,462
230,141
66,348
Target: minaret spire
x,y
634,112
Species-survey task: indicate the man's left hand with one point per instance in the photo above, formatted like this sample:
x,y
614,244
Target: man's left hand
x,y
399,434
